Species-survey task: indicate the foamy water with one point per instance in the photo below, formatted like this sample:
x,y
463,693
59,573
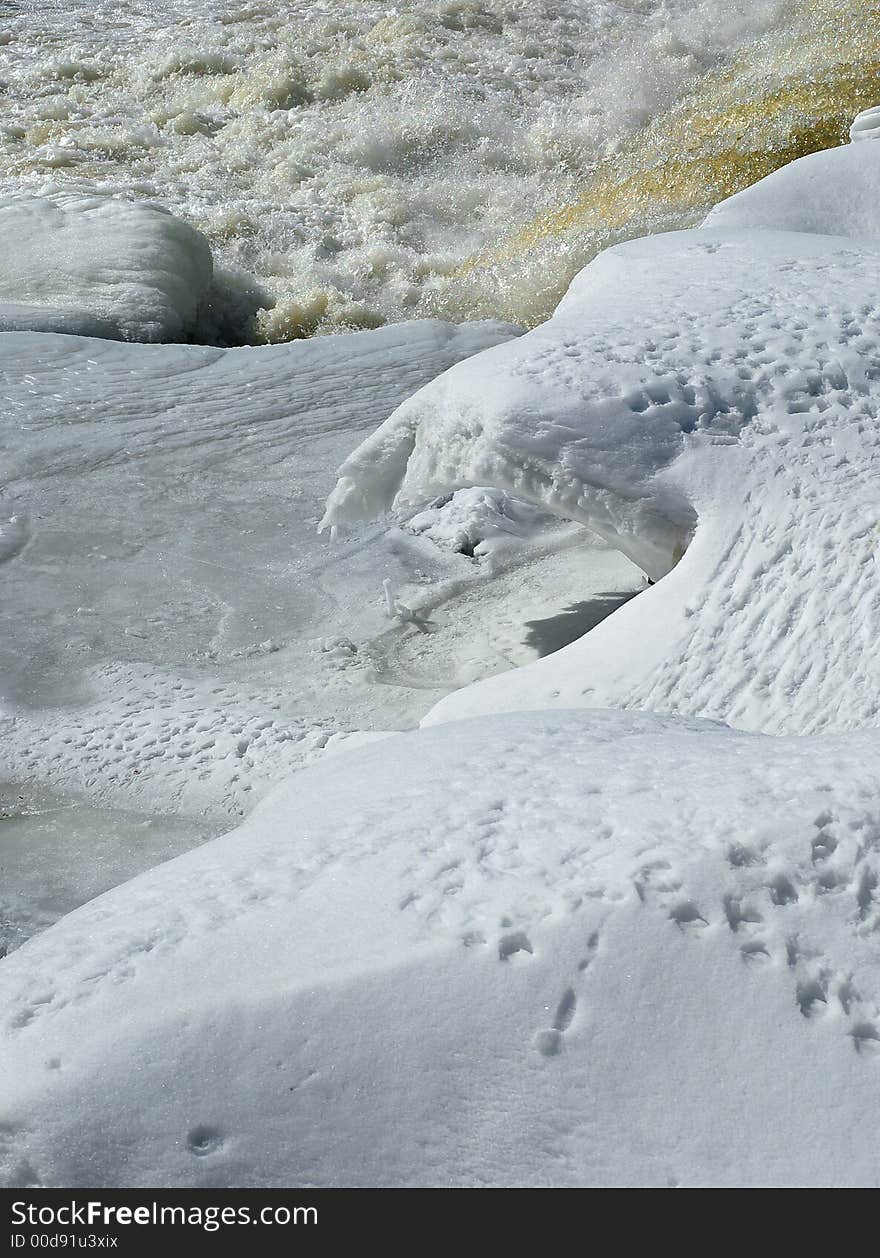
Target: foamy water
x,y
366,162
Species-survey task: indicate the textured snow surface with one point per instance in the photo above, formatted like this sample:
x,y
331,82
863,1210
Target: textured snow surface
x,y
478,521
174,636
708,390
551,945
567,948
99,266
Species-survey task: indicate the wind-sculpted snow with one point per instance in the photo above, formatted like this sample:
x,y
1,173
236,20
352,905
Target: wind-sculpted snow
x,y
713,392
99,266
602,948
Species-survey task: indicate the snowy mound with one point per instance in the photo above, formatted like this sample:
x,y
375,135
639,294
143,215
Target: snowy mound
x,y
568,948
98,266
707,392
835,192
866,125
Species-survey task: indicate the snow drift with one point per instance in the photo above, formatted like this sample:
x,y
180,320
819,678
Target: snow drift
x,y
552,949
835,192
99,266
712,392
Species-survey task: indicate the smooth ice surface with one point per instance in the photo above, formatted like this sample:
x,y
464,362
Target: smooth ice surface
x,y
712,392
174,636
163,571
59,850
539,949
99,266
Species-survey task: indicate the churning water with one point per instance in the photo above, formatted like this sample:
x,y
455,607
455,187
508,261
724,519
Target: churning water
x,y
355,162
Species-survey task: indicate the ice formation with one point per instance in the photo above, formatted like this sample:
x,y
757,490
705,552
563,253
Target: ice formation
x,y
99,266
866,125
709,394
168,611
479,521
137,460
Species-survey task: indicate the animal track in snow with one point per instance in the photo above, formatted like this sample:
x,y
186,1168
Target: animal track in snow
x,y
687,916
811,993
838,861
203,1140
866,1037
755,951
740,914
656,884
865,894
770,913
592,946
782,890
515,942
165,743
548,1042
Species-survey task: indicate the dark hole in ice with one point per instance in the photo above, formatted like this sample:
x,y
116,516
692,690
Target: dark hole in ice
x,y
552,634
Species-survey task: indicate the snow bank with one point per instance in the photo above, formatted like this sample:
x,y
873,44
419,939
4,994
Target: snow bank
x,y
556,949
835,192
99,266
710,392
866,125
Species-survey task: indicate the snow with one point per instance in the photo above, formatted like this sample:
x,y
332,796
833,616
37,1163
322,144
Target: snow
x,y
199,464
174,636
866,125
478,521
99,266
834,192
552,949
608,918
709,394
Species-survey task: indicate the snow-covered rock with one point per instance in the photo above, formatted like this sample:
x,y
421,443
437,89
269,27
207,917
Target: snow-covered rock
x,y
542,949
710,394
836,193
99,266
